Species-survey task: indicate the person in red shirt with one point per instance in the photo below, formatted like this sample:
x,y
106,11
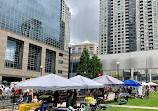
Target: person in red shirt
x,y
17,91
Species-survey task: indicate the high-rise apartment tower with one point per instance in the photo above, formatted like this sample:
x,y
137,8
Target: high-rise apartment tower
x,y
117,26
128,25
65,25
147,24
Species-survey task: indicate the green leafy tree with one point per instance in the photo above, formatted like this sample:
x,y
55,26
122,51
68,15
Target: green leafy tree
x,y
89,67
95,67
83,65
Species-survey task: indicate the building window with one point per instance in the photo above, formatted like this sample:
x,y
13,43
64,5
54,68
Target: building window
x,y
14,53
155,78
60,62
50,61
60,54
34,58
60,71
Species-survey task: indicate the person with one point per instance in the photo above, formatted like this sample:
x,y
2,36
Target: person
x,y
124,89
20,91
35,100
147,91
20,100
3,93
107,94
8,93
0,91
102,92
140,91
130,91
30,96
13,92
118,92
17,91
50,100
69,93
74,99
56,98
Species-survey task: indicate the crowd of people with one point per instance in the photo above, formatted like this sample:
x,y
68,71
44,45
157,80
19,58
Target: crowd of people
x,y
5,94
33,96
135,91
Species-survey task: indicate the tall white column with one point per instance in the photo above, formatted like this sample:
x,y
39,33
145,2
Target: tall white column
x,y
132,72
150,74
136,78
0,79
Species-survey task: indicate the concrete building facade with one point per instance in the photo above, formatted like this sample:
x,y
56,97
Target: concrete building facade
x,y
60,58
91,47
77,51
132,65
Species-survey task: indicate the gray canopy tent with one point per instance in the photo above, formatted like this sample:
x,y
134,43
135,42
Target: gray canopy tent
x,y
49,82
86,82
108,81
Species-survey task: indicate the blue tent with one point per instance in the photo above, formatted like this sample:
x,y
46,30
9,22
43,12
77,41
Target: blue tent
x,y
131,83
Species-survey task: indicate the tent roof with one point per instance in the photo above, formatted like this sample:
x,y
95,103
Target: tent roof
x,y
108,80
86,82
153,84
49,82
144,83
131,83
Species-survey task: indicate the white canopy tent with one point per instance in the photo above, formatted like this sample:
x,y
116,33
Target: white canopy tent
x,y
153,84
145,84
108,81
86,82
49,82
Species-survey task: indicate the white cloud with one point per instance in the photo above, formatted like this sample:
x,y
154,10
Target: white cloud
x,y
85,20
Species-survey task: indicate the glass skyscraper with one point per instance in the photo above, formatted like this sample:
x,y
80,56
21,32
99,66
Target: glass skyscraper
x,y
36,19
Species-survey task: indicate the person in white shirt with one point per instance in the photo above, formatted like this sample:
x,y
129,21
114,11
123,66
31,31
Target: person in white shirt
x,y
3,93
8,93
35,100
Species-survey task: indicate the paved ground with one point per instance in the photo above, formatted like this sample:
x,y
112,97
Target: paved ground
x,y
110,97
8,110
140,107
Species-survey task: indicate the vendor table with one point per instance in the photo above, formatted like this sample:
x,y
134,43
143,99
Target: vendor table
x,y
28,106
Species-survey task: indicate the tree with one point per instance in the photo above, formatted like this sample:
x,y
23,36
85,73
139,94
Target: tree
x,y
83,65
89,67
95,67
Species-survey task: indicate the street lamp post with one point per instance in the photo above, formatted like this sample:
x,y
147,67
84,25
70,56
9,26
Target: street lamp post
x,y
118,69
41,67
70,46
146,72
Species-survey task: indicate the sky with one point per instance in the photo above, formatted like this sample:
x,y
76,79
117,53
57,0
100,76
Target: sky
x,y
84,20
